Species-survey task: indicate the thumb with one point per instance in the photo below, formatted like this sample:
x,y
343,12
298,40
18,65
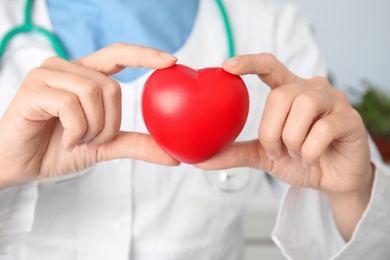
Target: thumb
x,y
269,69
135,146
239,154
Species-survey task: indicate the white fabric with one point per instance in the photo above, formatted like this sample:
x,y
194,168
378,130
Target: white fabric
x,y
126,209
306,230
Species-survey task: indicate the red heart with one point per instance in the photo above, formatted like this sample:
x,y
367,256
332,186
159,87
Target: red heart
x,y
194,114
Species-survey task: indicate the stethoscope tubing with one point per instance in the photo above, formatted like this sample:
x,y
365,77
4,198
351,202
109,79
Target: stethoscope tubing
x,y
29,27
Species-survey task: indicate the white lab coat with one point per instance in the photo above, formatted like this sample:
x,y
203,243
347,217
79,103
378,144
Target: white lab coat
x,y
126,209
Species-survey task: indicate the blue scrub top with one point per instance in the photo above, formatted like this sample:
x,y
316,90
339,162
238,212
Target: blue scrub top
x,y
84,26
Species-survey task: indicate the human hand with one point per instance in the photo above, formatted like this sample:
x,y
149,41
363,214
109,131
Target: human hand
x,y
66,117
309,136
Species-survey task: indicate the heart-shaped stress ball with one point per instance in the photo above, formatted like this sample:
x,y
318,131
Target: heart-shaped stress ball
x,y
194,114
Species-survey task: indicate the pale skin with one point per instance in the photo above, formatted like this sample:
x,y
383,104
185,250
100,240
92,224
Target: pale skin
x,y
309,136
66,117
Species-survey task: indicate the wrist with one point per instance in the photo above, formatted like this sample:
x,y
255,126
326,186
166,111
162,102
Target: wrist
x,y
349,206
359,193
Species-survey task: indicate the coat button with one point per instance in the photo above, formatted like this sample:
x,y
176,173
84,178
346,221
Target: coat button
x,y
231,180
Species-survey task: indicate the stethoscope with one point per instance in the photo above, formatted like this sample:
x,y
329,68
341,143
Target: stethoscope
x,y
29,27
226,180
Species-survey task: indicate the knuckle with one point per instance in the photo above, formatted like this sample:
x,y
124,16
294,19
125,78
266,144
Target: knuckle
x,y
116,50
356,120
267,57
69,100
51,61
90,88
355,116
307,100
85,85
340,95
35,73
321,82
324,127
278,96
113,90
77,80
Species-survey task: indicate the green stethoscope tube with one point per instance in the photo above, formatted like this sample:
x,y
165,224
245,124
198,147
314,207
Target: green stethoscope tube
x,y
228,28
29,27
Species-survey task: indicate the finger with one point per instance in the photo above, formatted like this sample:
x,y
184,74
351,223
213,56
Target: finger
x,y
239,154
112,103
307,108
46,103
112,59
328,130
136,146
276,112
270,70
88,93
104,112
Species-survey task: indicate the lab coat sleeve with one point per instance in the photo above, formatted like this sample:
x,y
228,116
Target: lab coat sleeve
x,y
17,205
305,228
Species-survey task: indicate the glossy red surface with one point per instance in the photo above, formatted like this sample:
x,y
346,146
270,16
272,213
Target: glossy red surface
x,y
194,114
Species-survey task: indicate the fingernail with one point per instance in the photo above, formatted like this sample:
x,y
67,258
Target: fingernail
x,y
71,148
271,155
167,56
233,62
306,164
293,154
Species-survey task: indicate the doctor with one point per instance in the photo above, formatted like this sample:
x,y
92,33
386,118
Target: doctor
x,y
67,194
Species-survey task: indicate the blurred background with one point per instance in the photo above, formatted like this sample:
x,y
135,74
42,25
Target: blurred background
x,y
355,39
